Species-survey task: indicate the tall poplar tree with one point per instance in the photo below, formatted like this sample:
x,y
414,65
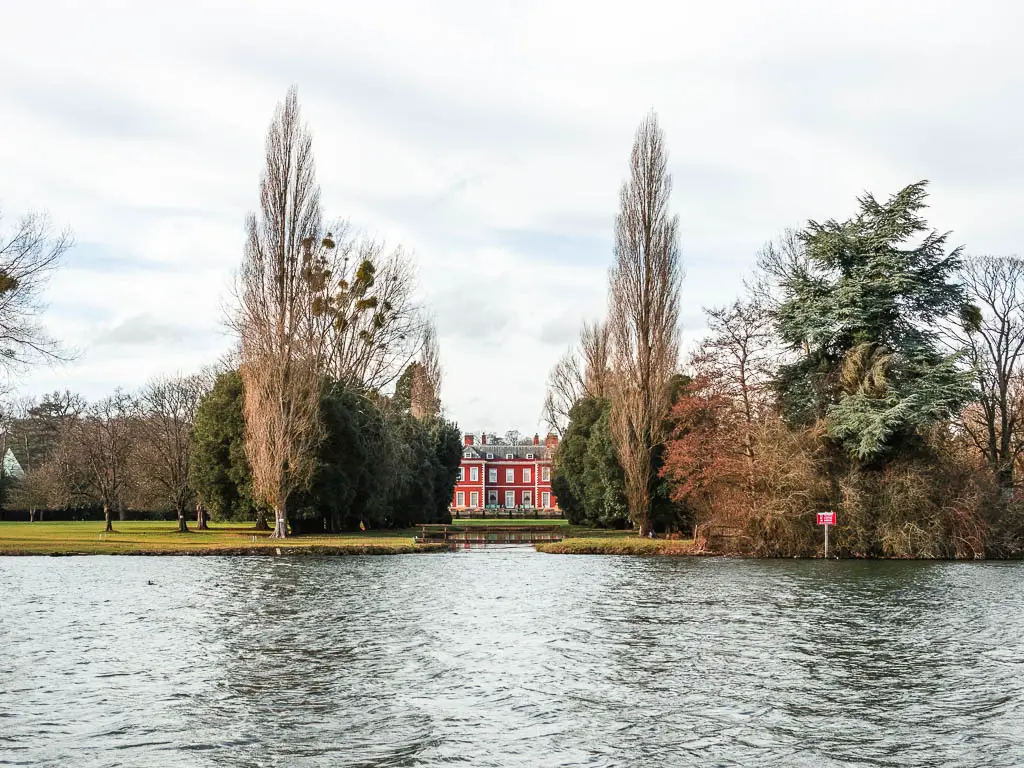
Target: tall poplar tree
x,y
644,316
280,368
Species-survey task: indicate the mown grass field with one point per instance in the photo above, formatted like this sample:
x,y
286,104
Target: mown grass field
x,y
162,538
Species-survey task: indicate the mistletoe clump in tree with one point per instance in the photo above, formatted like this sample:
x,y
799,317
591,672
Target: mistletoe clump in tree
x,y
860,306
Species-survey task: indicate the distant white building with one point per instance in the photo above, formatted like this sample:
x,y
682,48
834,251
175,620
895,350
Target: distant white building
x,y
11,466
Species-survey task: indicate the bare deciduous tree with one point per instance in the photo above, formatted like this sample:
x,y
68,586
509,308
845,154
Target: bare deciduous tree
x,y
165,439
736,360
583,371
644,315
280,368
993,339
28,256
367,324
42,439
101,444
596,349
565,387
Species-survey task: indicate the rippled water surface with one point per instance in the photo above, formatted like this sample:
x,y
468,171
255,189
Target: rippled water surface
x,y
509,658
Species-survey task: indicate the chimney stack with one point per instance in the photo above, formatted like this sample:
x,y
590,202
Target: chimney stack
x,y
467,439
536,439
551,441
483,438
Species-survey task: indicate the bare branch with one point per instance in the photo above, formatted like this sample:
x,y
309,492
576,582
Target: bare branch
x,y
28,257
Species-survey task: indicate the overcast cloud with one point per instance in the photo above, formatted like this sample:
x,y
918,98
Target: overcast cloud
x,y
490,139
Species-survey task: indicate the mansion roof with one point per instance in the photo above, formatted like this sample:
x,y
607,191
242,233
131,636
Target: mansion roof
x,y
500,452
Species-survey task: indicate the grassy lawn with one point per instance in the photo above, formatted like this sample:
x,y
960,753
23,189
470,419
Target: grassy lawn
x,y
623,543
145,537
138,537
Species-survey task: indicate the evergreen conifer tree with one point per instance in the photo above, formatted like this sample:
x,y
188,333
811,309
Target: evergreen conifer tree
x,y
861,310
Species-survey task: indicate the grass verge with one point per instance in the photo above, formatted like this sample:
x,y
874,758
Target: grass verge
x,y
617,545
162,538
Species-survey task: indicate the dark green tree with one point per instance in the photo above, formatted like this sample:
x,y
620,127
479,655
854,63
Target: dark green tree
x,y
588,479
219,470
351,467
568,476
431,452
860,309
447,445
377,467
603,486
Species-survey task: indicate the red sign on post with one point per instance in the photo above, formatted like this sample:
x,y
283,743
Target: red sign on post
x,y
826,518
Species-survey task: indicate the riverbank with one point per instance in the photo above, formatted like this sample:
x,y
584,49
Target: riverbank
x,y
162,538
630,544
135,537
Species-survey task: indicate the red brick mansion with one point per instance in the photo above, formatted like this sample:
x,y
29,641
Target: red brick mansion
x,y
505,476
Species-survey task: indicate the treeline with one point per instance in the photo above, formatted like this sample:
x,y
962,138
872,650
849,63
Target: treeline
x,y
379,465
298,428
178,447
869,369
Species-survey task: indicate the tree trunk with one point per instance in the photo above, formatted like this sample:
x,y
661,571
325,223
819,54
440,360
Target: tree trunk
x,y
106,516
182,523
261,521
201,517
280,523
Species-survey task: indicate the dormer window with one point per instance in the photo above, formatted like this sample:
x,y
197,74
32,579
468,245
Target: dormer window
x,y
529,455
490,455
467,455
510,455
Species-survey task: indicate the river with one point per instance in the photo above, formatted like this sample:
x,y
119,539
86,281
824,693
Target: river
x,y
509,658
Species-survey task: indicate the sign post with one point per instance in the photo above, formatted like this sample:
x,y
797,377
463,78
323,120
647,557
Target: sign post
x,y
826,519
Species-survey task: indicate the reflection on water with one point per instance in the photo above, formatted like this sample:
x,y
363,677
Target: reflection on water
x,y
509,658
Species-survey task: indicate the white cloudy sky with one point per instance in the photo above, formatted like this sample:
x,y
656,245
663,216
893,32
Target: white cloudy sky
x,y
491,139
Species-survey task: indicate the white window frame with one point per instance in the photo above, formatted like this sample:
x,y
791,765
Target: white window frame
x,y
462,474
510,455
528,499
460,498
510,495
545,474
529,455
492,498
474,499
492,475
467,455
510,475
474,474
545,500
527,475
490,455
